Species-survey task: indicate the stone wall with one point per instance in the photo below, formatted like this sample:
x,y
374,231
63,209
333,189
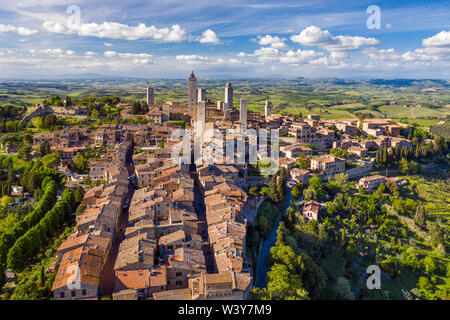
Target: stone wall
x,y
40,111
353,172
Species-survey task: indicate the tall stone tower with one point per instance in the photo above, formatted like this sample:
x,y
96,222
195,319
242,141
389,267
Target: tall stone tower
x,y
229,95
201,120
201,95
243,114
192,92
267,109
150,95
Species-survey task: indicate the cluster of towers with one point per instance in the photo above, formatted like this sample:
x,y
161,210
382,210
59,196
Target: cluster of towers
x,y
197,99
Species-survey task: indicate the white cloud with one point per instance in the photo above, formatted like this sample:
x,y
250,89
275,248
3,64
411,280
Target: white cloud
x,y
116,30
265,54
382,54
299,56
274,42
55,27
53,52
442,39
90,53
314,36
427,54
335,59
418,56
107,44
234,61
209,36
352,43
192,59
19,30
137,58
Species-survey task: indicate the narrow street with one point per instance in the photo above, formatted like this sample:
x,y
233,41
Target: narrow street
x,y
108,275
200,209
261,268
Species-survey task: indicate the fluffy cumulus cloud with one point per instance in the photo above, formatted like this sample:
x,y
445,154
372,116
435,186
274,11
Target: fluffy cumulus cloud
x,y
114,30
209,36
19,30
314,36
436,50
273,41
299,56
382,54
336,59
266,54
442,39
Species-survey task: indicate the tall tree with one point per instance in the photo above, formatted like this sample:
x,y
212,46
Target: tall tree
x,y
419,218
44,148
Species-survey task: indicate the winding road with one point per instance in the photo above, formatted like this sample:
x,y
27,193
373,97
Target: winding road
x,y
261,268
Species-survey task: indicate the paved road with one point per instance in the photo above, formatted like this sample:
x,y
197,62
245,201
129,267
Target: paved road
x,y
261,268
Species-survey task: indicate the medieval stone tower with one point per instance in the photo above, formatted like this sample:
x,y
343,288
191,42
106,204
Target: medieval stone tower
x,y
192,92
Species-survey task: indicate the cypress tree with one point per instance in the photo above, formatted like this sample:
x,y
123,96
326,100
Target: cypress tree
x,y
419,218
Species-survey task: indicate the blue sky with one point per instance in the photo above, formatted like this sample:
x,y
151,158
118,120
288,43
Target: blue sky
x,y
220,39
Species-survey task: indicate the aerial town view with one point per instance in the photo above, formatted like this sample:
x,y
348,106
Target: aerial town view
x,y
149,156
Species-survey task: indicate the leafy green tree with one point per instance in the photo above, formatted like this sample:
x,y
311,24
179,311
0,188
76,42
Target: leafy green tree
x,y
297,190
49,121
264,191
302,161
284,285
6,201
51,160
80,164
315,191
429,265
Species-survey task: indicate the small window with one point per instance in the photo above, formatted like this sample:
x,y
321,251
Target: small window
x,y
178,274
83,292
178,283
73,293
61,294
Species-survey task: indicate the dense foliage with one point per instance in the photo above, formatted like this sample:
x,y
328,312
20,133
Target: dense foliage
x,y
25,247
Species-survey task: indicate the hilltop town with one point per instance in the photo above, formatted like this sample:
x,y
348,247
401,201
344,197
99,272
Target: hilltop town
x,y
149,227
